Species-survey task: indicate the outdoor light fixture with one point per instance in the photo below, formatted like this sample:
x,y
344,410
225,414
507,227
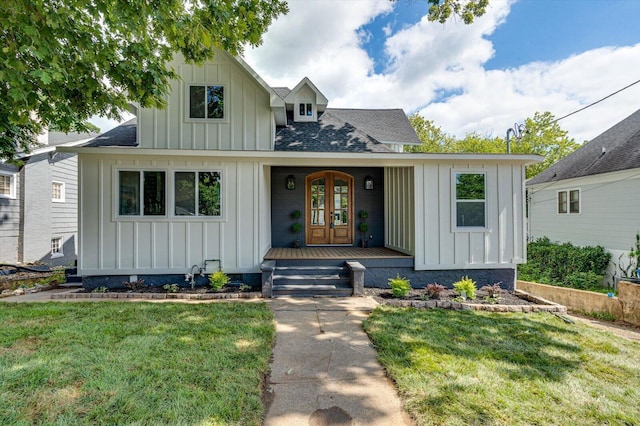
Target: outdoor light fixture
x,y
368,182
291,182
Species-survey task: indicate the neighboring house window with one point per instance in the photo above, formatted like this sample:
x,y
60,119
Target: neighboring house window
x,y
306,110
562,202
7,185
57,192
198,194
470,200
56,247
569,202
148,202
206,102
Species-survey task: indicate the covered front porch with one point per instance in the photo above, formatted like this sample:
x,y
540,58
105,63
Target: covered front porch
x,y
333,253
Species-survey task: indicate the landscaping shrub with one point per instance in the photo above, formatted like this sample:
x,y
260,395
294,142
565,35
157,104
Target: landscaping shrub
x,y
218,279
466,285
400,287
434,290
564,265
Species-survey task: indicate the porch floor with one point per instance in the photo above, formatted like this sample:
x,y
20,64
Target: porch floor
x,y
285,253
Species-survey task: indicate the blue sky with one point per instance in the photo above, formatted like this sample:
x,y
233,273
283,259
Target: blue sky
x,y
521,57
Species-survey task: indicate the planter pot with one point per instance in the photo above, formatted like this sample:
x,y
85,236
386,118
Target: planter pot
x,y
364,243
296,244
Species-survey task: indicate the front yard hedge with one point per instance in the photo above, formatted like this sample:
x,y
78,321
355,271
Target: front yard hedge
x,y
565,265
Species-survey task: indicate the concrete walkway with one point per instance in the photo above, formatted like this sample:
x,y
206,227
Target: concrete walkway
x,y
324,369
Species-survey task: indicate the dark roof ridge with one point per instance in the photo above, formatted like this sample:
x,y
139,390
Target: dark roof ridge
x,y
615,149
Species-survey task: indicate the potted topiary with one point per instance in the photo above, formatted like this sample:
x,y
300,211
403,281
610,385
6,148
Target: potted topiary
x,y
363,227
296,227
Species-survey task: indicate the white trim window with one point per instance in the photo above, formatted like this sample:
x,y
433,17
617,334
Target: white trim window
x,y
57,245
57,191
198,193
141,193
206,101
7,185
470,197
305,109
569,201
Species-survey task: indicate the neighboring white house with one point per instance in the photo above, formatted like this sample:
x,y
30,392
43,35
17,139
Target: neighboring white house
x,y
592,196
38,203
216,175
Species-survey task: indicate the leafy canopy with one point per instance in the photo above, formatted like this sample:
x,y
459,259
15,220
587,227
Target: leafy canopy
x,y
544,137
467,10
64,61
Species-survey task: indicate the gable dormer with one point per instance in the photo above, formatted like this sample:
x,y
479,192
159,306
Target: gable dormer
x,y
305,101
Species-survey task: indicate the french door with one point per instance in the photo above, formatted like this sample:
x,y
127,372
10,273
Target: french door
x,y
329,208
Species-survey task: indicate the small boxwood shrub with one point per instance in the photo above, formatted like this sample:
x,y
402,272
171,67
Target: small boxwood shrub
x,y
400,287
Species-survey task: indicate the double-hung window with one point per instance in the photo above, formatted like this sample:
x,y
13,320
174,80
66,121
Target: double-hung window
x,y
470,200
7,185
569,201
57,192
56,247
141,193
198,193
206,102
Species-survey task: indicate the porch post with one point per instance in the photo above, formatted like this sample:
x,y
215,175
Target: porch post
x,y
357,277
267,269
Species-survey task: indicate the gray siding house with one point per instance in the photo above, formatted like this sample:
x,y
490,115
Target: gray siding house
x,y
592,196
213,181
38,204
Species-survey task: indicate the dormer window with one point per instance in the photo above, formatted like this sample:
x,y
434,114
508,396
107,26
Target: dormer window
x,y
206,101
306,110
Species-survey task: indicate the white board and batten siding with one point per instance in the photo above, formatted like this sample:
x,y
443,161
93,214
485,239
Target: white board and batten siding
x,y
435,242
124,245
248,124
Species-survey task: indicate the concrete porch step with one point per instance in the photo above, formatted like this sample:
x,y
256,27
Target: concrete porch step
x,y
301,290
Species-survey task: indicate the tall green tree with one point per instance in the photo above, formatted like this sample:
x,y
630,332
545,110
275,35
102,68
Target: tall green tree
x,y
544,137
64,61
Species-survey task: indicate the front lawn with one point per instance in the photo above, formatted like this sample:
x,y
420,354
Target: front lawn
x,y
122,363
462,367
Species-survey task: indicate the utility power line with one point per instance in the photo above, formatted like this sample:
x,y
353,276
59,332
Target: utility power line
x,y
596,102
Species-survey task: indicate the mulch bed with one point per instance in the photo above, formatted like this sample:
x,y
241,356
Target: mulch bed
x,y
382,295
181,290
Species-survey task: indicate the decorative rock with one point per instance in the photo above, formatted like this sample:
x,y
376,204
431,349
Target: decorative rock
x,y
18,292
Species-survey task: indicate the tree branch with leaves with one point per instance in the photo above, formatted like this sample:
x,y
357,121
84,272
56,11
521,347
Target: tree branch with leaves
x,y
64,61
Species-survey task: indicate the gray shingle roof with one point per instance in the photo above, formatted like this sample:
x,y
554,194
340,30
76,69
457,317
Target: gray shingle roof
x,y
385,125
348,130
616,149
329,134
282,91
123,135
58,138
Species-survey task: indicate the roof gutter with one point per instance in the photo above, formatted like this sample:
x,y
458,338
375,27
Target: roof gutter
x,y
361,157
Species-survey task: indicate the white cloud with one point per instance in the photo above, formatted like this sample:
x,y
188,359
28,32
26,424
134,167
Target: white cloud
x,y
323,40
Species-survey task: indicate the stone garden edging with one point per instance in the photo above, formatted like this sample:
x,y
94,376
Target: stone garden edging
x,y
158,296
541,305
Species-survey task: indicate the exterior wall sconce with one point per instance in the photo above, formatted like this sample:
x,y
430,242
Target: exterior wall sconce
x,y
291,182
368,183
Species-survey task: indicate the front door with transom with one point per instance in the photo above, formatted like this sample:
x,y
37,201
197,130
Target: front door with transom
x,y
329,212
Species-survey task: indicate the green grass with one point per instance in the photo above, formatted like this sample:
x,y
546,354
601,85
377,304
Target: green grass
x,y
460,367
124,363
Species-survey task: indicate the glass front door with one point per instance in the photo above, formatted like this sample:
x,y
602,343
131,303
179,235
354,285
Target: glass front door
x,y
329,208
